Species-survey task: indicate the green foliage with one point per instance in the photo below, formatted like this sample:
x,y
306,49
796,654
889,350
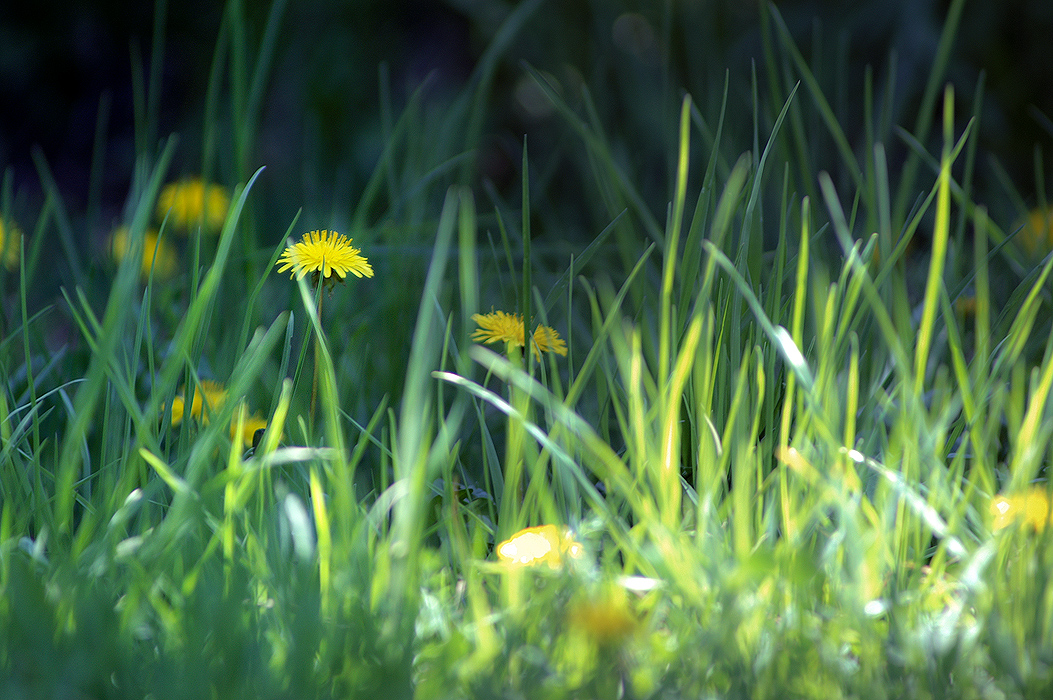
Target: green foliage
x,y
778,462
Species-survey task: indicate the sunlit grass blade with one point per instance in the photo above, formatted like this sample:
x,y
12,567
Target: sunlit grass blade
x,y
940,236
672,242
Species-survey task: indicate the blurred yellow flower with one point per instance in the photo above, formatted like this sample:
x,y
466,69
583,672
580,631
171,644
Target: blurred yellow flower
x,y
10,244
207,399
158,255
535,545
248,431
606,619
1036,232
322,253
190,202
498,326
1032,507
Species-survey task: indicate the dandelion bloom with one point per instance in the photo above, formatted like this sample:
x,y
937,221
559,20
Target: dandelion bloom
x,y
191,201
207,399
498,326
1036,234
158,255
605,619
1032,507
322,253
10,244
535,545
248,431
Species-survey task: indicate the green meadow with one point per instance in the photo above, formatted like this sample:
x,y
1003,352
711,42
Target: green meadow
x,y
767,416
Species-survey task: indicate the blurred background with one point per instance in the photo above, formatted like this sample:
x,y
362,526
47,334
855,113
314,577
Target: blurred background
x,y
68,69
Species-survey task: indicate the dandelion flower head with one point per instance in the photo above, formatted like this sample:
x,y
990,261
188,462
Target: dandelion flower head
x,y
10,244
248,431
322,253
158,255
191,201
207,399
1032,507
536,545
1036,234
606,619
498,326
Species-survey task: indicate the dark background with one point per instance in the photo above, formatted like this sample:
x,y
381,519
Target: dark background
x,y
320,134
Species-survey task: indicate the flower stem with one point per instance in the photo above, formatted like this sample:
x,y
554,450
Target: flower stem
x,y
317,360
512,498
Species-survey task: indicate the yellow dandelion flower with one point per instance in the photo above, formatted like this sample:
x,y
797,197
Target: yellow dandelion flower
x,y
606,619
1036,232
248,431
322,253
547,340
191,201
158,255
498,326
207,399
10,244
1032,507
535,545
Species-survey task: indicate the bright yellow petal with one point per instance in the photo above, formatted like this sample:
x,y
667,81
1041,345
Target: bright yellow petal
x,y
251,425
499,327
546,339
536,545
1032,507
178,406
324,252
